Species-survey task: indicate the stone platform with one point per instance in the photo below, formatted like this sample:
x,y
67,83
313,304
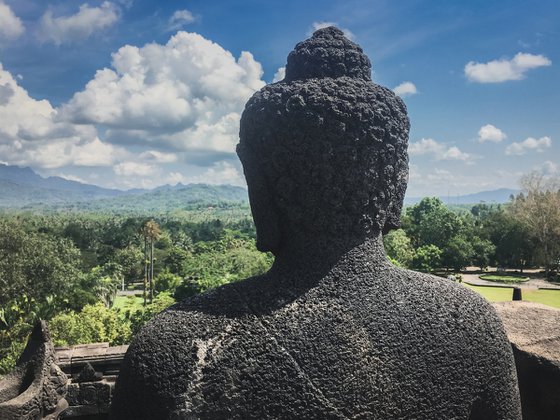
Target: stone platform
x,y
92,370
534,332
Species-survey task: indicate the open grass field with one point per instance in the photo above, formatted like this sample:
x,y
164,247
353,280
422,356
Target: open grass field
x,y
121,302
502,294
492,294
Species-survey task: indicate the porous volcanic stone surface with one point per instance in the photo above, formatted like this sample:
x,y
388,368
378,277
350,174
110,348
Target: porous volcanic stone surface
x,y
534,332
333,330
36,387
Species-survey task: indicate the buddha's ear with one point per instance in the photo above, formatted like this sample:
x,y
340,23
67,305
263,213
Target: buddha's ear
x,y
265,212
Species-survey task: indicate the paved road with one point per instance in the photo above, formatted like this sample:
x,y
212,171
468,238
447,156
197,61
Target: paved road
x,y
529,284
128,292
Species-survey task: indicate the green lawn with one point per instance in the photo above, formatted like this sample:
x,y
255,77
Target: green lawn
x,y
121,302
546,297
501,294
504,278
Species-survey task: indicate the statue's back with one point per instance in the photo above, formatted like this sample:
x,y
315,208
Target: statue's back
x,y
389,344
333,330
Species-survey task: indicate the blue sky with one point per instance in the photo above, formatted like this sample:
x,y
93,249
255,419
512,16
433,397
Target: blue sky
x,y
134,93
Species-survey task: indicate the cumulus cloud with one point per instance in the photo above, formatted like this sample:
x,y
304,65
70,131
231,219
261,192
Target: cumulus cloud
x,y
221,173
490,133
10,25
86,22
134,169
160,114
549,168
149,175
279,75
31,134
158,157
453,153
6,92
529,144
438,182
502,70
322,24
439,151
186,95
179,19
405,89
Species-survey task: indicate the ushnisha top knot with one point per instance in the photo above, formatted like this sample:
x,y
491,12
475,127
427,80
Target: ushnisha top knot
x,y
328,53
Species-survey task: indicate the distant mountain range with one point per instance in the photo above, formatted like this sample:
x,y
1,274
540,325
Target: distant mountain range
x,y
501,195
22,188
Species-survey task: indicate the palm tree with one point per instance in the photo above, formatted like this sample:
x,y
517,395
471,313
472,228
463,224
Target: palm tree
x,y
151,233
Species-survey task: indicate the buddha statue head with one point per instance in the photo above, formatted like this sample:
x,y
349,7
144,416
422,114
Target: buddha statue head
x,y
324,150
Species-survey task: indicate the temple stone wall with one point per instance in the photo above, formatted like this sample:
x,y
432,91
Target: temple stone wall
x,y
534,332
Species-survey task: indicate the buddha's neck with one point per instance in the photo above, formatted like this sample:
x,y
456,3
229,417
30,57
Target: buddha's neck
x,y
313,254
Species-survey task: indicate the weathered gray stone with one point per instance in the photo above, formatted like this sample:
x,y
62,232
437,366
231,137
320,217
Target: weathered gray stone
x,y
534,332
88,374
36,387
333,330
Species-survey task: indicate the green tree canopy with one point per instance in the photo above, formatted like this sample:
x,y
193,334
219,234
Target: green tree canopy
x,y
399,247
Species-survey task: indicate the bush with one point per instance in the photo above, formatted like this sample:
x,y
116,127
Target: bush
x,y
427,258
95,323
139,317
166,281
12,343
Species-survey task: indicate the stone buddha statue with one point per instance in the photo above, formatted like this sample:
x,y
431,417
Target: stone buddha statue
x,y
333,330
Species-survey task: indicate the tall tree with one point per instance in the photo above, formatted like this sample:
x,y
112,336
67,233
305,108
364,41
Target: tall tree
x,y
151,231
537,207
398,247
431,222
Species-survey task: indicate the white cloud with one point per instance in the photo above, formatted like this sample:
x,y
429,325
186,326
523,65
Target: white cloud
x,y
6,92
438,150
31,134
426,146
146,175
86,22
176,177
179,19
158,157
502,70
10,25
187,94
322,24
135,169
453,153
490,133
71,177
405,89
436,181
529,144
279,75
549,168
221,173
163,105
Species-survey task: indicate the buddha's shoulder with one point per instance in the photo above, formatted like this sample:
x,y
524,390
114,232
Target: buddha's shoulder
x,y
198,316
437,296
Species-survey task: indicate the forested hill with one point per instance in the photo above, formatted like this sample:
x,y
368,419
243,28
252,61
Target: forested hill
x,y
22,188
166,199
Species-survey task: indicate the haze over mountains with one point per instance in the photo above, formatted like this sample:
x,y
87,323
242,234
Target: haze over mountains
x,y
23,188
